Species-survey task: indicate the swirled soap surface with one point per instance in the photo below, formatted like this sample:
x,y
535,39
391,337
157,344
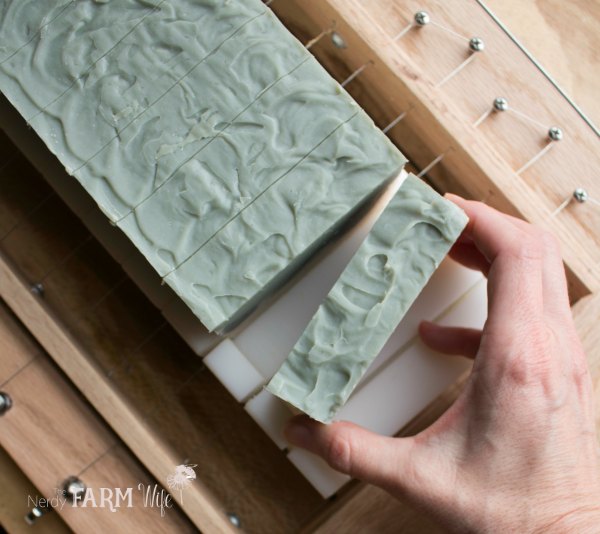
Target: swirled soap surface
x,y
403,249
199,127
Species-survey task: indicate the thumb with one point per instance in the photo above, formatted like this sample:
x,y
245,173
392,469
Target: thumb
x,y
353,450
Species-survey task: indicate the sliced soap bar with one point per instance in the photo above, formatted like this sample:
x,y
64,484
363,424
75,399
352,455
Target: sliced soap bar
x,y
403,249
257,251
254,151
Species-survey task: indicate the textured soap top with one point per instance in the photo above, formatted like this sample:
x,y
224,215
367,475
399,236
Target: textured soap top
x,y
200,127
258,250
351,326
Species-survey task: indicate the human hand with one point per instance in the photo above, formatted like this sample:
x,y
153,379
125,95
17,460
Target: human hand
x,y
517,451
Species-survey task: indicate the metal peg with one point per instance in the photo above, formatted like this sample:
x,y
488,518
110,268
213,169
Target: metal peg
x,y
234,520
5,402
74,488
500,104
555,133
38,289
422,18
476,44
35,513
580,195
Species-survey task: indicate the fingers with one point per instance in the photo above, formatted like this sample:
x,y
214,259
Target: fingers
x,y
466,253
527,254
516,258
352,450
450,340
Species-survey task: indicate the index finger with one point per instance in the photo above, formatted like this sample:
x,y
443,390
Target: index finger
x,y
515,255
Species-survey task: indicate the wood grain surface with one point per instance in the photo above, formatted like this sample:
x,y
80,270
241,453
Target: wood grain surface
x,y
565,38
13,505
482,161
51,433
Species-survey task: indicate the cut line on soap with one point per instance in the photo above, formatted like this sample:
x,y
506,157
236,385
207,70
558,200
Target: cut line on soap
x,y
229,123
44,108
166,92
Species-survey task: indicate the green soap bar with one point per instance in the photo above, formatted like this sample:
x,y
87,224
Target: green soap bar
x,y
253,152
259,249
167,136
403,249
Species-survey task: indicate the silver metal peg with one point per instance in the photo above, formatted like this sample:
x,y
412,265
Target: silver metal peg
x,y
555,133
476,44
5,402
74,488
38,289
422,18
35,513
580,195
234,520
338,41
500,104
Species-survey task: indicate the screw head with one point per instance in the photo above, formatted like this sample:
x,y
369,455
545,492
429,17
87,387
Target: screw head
x,y
555,133
338,41
5,402
500,104
38,289
234,520
74,488
34,514
476,44
422,18
580,195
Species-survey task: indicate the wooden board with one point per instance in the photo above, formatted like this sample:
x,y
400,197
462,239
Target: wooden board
x,y
479,162
149,386
137,372
564,38
16,487
52,434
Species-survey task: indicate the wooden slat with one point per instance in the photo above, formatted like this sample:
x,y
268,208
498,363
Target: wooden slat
x,y
199,504
564,38
16,488
479,162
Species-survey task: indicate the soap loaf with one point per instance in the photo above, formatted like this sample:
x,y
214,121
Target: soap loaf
x,y
248,156
403,249
194,124
258,250
123,113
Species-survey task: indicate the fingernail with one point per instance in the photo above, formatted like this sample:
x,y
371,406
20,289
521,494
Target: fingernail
x,y
298,434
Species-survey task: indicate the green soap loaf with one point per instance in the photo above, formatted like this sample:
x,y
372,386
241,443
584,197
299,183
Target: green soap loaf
x,y
173,132
352,324
259,147
258,250
63,45
140,107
